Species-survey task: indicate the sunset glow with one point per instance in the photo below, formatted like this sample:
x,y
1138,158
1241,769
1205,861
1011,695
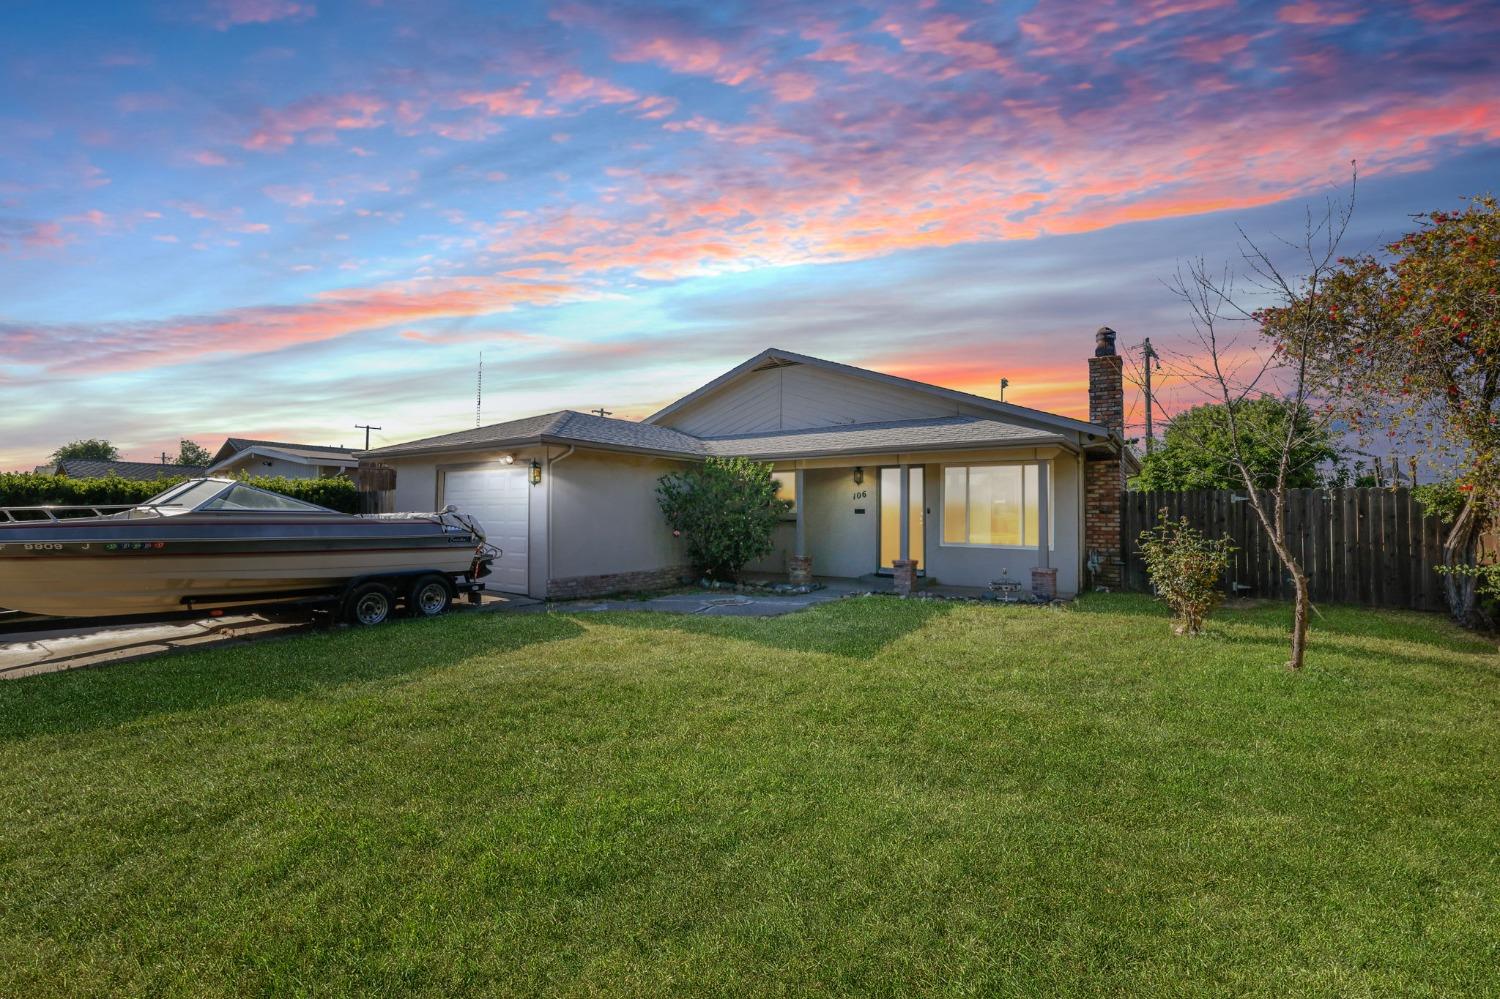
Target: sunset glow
x,y
275,220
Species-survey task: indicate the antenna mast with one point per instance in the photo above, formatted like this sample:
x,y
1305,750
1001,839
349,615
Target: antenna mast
x,y
479,391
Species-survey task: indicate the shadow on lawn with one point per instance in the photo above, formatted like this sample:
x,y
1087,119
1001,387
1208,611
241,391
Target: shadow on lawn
x,y
89,699
855,628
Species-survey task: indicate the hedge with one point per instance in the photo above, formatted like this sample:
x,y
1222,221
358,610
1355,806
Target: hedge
x,y
33,489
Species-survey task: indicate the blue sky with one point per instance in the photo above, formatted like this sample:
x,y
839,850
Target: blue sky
x,y
278,219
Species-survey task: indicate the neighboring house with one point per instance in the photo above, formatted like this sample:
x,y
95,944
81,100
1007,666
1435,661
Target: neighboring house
x,y
239,456
93,468
883,470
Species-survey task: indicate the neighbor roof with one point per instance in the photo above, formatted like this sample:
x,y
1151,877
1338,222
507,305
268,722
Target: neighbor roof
x,y
141,471
236,445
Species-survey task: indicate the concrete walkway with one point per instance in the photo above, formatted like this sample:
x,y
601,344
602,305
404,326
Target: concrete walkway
x,y
714,603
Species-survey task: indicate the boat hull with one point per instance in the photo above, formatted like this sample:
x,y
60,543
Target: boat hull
x,y
103,587
99,568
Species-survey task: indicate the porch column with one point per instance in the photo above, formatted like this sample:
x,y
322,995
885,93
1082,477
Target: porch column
x,y
904,568
798,488
799,566
1043,577
905,512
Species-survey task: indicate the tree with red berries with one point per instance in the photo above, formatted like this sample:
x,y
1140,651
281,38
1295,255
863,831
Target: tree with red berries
x,y
1407,345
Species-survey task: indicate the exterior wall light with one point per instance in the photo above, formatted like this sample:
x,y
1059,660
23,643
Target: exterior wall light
x,y
536,472
859,475
507,459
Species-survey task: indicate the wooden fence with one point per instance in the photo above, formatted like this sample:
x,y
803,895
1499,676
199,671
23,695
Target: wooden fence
x,y
1366,546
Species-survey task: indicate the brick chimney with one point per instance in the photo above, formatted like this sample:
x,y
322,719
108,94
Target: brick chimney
x,y
1104,470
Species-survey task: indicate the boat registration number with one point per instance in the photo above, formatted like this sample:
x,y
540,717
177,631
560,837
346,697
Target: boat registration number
x,y
43,548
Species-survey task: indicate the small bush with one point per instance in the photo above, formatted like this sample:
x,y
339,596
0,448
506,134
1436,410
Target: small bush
x,y
726,510
32,489
1184,567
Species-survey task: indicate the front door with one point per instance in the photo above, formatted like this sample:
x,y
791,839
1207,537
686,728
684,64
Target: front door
x,y
890,516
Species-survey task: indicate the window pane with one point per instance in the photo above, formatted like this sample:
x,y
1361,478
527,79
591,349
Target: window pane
x,y
1032,498
788,490
955,507
995,505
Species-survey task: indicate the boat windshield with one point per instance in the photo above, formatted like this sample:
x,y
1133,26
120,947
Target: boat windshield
x,y
242,497
188,495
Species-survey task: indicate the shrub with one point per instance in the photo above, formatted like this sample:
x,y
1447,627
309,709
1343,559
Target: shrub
x,y
1184,567
32,489
726,509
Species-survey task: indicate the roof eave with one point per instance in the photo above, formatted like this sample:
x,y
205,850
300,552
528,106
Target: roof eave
x,y
909,448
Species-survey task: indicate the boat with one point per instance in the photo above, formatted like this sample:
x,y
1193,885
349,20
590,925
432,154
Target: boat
x,y
213,543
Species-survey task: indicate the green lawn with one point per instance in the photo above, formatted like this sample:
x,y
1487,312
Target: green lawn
x,y
873,797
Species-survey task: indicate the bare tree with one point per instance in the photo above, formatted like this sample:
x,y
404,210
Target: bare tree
x,y
1232,369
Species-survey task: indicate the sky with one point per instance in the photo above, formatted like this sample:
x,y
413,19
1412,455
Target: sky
x,y
281,218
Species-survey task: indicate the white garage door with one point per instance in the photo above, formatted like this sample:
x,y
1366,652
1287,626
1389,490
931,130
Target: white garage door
x,y
500,498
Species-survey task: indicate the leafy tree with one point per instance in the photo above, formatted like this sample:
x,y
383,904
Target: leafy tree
x,y
726,509
1407,345
97,449
193,453
1196,452
1185,567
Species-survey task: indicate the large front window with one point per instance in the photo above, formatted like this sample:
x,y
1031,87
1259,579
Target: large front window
x,y
992,505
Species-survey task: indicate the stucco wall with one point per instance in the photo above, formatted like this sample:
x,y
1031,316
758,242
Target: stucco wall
x,y
845,543
964,566
606,518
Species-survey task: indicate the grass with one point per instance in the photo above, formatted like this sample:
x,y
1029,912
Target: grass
x,y
873,797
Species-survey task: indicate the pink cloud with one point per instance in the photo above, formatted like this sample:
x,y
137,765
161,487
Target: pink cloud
x,y
18,236
1311,12
511,103
571,85
317,117
226,14
257,329
209,158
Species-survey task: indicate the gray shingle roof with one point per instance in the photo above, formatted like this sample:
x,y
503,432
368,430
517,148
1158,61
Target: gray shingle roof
x,y
899,435
143,471
241,443
563,427
568,427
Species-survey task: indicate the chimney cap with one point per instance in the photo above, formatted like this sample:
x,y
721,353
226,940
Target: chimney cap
x,y
1104,342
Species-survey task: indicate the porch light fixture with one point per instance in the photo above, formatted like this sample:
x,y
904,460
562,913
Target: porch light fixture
x,y
859,475
507,459
536,472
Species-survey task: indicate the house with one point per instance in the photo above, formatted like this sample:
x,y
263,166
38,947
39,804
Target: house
x,y
887,475
93,468
239,456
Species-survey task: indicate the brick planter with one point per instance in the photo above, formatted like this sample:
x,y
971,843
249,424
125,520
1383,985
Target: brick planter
x,y
905,573
1044,583
799,570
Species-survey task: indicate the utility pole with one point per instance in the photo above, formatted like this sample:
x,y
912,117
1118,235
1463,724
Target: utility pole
x,y
366,428
1148,355
601,411
164,457
1004,384
479,391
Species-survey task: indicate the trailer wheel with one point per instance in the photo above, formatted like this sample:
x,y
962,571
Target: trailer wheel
x,y
369,604
430,596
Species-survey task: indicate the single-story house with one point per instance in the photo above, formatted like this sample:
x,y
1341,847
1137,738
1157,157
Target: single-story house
x,y
239,456
94,468
887,475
